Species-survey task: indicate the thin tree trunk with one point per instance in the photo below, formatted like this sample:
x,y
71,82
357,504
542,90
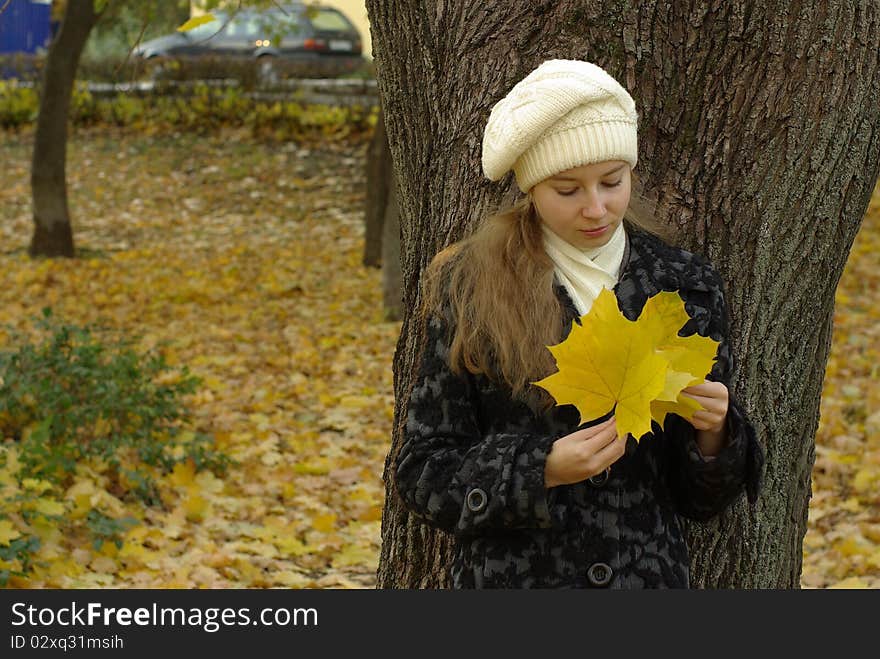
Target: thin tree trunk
x,y
53,235
759,139
379,168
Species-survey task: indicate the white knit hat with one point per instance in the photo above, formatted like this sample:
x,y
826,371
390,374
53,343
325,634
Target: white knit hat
x,y
564,114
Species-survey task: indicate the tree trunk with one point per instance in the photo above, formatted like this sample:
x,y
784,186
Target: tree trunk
x,y
52,231
759,137
379,170
391,280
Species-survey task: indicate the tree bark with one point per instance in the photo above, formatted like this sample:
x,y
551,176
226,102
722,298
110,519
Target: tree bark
x,y
378,178
53,235
759,138
391,279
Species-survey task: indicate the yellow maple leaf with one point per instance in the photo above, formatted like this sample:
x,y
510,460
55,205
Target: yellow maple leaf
x,y
195,22
865,480
324,523
637,368
690,357
9,467
48,506
37,485
355,555
291,546
8,532
183,474
196,507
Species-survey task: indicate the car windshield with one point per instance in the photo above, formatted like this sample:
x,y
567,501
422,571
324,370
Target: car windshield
x,y
245,26
208,30
251,25
282,22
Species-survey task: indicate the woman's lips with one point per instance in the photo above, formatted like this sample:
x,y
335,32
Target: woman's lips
x,y
596,232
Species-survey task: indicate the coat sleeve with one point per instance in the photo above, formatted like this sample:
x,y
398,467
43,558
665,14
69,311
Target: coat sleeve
x,y
453,477
703,487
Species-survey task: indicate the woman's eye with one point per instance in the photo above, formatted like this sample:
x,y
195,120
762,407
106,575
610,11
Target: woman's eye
x,y
568,193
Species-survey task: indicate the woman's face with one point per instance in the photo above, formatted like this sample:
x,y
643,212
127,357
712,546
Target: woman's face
x,y
578,200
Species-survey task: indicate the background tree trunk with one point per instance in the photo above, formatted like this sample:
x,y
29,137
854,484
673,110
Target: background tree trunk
x,y
391,274
53,235
378,183
759,140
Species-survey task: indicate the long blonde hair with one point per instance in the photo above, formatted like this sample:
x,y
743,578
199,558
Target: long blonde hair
x,y
498,285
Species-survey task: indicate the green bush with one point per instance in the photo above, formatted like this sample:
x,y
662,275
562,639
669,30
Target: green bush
x,y
107,529
18,105
79,397
73,397
200,109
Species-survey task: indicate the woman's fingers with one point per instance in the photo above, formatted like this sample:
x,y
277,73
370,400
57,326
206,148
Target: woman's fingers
x,y
714,401
587,433
706,387
611,452
707,421
708,403
607,434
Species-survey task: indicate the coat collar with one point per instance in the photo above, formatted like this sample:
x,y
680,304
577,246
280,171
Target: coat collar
x,y
649,265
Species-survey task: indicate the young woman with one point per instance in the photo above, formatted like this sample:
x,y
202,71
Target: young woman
x,y
535,496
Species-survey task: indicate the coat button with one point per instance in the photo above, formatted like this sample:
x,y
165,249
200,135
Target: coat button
x,y
600,479
599,574
476,500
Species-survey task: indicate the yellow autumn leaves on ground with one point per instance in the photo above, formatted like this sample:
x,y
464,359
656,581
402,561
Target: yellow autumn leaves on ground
x,y
245,264
842,545
638,366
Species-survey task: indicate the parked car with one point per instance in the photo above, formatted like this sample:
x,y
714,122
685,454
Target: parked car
x,y
291,31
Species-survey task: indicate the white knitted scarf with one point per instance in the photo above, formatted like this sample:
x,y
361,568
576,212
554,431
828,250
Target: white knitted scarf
x,y
584,272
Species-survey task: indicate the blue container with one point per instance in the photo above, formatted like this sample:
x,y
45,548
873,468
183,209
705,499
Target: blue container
x,y
25,26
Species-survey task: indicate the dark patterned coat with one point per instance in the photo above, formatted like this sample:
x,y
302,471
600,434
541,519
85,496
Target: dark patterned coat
x,y
472,460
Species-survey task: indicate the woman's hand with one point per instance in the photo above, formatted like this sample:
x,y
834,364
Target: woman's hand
x,y
583,453
710,422
714,398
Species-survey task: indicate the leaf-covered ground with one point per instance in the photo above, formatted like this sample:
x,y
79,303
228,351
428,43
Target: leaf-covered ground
x,y
842,545
247,258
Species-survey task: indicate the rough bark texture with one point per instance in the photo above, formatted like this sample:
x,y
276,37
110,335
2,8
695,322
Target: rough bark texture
x,y
760,141
391,274
53,235
378,183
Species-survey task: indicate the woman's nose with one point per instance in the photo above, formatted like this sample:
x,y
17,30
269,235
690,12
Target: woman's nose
x,y
593,207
